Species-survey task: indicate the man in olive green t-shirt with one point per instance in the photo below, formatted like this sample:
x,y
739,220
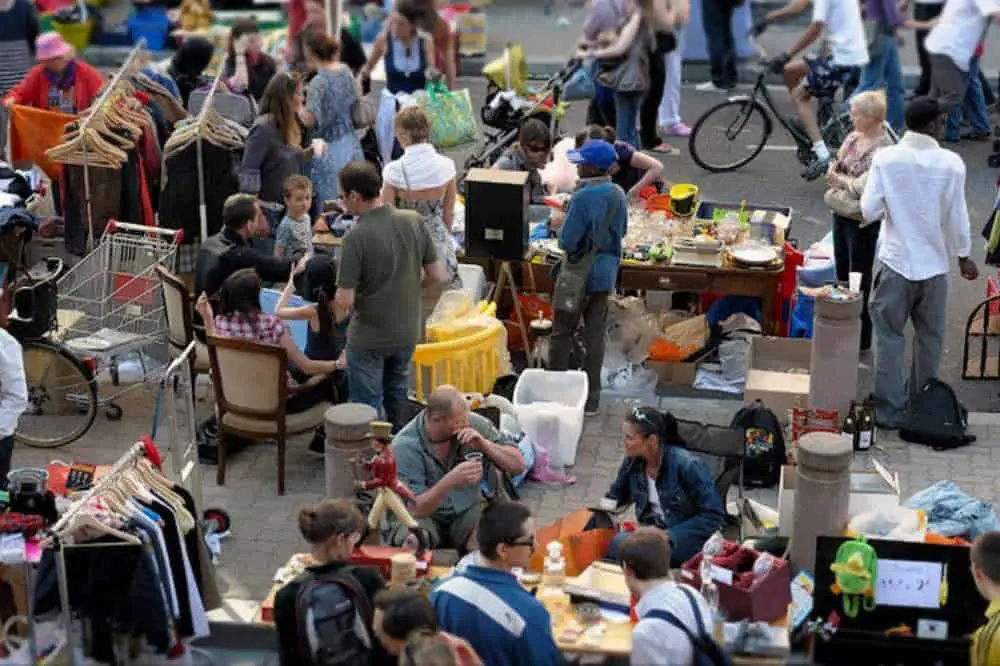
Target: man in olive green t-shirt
x,y
385,261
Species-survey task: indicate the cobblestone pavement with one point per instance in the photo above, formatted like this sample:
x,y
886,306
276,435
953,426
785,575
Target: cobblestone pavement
x,y
264,531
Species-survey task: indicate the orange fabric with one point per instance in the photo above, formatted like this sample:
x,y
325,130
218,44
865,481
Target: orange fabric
x,y
32,132
580,547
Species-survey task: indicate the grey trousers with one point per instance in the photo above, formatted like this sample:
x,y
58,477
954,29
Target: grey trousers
x,y
895,301
595,317
947,82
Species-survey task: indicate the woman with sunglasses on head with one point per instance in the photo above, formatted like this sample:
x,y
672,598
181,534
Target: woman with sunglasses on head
x,y
670,487
531,153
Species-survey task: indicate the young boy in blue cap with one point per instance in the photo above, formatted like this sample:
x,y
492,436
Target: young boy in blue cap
x,y
596,221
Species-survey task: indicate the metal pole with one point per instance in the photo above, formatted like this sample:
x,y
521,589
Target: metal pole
x,y
202,206
67,612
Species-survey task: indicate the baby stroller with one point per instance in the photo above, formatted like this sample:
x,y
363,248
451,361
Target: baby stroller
x,y
509,103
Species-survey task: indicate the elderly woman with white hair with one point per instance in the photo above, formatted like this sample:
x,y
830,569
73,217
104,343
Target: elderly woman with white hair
x,y
854,240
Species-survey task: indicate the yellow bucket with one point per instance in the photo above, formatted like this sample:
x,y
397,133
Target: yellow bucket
x,y
76,35
682,199
469,363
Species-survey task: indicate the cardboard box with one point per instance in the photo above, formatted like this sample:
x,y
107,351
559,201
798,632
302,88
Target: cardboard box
x,y
674,372
869,491
778,374
765,600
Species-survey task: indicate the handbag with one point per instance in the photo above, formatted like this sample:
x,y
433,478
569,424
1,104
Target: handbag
x,y
453,121
843,202
628,75
363,110
664,43
571,282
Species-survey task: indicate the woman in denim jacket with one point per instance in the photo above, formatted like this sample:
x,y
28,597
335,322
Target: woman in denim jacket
x,y
670,487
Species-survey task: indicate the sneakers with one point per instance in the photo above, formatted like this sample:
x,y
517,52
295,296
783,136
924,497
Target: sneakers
x,y
677,129
710,87
816,169
592,408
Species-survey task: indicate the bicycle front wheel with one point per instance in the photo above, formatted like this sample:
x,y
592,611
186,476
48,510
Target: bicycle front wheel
x,y
729,135
62,396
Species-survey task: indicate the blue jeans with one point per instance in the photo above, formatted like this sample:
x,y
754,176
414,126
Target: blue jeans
x,y
379,378
884,71
972,108
627,117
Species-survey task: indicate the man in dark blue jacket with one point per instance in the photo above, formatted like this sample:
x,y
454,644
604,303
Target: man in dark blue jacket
x,y
596,221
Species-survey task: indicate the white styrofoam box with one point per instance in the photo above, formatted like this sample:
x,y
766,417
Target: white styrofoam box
x,y
870,491
474,279
549,406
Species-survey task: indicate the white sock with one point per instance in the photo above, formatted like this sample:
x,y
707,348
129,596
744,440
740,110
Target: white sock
x,y
822,152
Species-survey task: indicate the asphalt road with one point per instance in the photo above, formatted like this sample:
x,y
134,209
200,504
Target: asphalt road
x,y
773,178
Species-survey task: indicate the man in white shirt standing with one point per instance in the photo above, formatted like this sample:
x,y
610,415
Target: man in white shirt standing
x,y
952,43
919,189
806,78
672,617
13,398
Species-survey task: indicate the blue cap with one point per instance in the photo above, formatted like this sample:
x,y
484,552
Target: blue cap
x,y
596,152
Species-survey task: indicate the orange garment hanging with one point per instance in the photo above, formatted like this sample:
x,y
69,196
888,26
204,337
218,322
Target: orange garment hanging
x,y
32,132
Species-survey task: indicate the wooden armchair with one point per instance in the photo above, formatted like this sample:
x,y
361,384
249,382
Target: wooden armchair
x,y
178,309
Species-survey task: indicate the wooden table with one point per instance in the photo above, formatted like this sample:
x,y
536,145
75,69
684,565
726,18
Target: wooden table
x,y
761,283
326,239
616,642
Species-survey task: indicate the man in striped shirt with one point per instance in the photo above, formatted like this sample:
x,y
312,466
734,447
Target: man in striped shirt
x,y
985,558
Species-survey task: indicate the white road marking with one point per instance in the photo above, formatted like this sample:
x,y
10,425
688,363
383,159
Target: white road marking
x,y
770,147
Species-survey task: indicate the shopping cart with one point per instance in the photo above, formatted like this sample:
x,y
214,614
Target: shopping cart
x,y
110,306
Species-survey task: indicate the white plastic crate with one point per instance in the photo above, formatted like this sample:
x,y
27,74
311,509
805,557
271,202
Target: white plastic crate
x,y
550,407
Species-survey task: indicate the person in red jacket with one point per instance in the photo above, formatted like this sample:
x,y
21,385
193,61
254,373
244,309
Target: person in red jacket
x,y
60,81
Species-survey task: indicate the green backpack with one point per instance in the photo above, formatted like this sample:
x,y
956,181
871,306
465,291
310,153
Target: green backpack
x,y
855,569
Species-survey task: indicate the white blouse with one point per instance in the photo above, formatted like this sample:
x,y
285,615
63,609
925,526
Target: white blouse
x,y
420,168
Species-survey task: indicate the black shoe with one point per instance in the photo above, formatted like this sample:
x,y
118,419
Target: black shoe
x,y
208,454
592,408
816,169
976,136
318,442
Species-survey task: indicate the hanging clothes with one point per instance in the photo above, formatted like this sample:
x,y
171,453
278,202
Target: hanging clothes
x,y
178,199
32,132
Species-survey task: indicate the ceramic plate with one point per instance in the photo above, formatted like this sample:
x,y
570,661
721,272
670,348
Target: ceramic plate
x,y
754,255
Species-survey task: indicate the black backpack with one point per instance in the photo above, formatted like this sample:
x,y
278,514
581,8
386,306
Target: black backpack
x,y
936,418
333,614
764,445
707,652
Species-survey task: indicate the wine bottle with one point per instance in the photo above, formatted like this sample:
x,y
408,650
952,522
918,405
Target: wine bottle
x,y
849,426
866,427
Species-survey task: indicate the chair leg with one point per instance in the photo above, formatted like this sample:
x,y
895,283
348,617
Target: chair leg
x,y
220,468
281,465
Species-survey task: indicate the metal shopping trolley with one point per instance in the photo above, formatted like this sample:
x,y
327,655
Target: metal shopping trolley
x,y
110,306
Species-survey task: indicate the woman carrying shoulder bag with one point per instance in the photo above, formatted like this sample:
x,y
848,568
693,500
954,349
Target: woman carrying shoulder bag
x,y
854,240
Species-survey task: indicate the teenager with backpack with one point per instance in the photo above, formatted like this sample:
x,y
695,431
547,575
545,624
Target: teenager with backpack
x,y
675,624
323,617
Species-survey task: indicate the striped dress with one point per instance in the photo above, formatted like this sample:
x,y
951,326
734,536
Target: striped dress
x,y
18,29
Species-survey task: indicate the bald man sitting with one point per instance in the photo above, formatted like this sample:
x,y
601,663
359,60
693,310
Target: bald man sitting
x,y
436,456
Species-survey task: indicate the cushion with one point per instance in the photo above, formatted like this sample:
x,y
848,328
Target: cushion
x,y
301,422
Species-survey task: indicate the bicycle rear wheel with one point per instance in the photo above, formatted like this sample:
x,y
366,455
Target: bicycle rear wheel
x,y
729,126
62,396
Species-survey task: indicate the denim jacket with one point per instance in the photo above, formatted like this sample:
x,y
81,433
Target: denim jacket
x,y
691,506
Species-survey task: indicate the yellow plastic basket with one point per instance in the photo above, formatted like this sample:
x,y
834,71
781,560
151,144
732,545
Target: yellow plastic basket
x,y
76,34
469,363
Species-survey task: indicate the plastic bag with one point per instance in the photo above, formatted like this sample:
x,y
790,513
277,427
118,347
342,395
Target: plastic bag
x,y
897,524
453,121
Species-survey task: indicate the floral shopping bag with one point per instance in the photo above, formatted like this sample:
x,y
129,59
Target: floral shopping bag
x,y
453,121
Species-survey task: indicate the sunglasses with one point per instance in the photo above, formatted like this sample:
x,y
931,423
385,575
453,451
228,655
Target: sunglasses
x,y
528,542
536,147
641,415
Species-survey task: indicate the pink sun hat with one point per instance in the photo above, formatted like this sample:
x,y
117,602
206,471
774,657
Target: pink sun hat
x,y
51,45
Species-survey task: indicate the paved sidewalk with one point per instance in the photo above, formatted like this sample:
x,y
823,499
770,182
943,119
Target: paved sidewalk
x,y
265,532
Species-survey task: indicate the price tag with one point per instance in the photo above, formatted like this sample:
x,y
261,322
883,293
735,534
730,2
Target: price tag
x,y
720,575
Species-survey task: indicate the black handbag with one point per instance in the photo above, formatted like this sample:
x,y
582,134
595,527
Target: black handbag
x,y
664,43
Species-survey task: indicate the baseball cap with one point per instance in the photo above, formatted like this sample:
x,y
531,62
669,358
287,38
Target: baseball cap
x,y
596,152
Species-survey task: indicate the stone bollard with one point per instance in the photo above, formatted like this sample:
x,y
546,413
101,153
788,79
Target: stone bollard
x,y
346,427
822,493
833,365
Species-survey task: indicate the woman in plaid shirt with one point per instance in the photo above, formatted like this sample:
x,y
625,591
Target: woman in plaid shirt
x,y
240,316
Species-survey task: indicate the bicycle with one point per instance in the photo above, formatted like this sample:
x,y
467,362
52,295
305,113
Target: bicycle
x,y
834,123
61,387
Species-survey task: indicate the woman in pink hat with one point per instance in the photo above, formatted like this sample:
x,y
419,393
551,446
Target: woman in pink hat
x,y
60,81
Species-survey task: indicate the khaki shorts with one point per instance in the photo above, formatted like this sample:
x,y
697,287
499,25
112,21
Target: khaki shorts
x,y
451,534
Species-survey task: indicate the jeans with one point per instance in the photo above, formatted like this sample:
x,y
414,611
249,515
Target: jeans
x,y
884,71
972,107
717,20
895,301
923,11
670,102
648,112
627,117
564,325
379,378
6,454
854,251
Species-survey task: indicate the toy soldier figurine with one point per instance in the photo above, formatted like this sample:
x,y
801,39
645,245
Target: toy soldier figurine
x,y
383,470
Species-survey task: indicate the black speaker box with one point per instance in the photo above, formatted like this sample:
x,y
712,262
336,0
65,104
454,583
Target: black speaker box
x,y
496,214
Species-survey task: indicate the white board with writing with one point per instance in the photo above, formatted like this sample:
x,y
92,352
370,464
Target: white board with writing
x,y
908,584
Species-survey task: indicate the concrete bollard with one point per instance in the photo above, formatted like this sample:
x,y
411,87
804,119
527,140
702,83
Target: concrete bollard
x,y
822,493
346,427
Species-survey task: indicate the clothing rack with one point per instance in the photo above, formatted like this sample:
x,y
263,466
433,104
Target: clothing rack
x,y
93,112
206,105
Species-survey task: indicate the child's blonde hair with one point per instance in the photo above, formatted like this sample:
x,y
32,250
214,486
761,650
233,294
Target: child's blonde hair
x,y
297,183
